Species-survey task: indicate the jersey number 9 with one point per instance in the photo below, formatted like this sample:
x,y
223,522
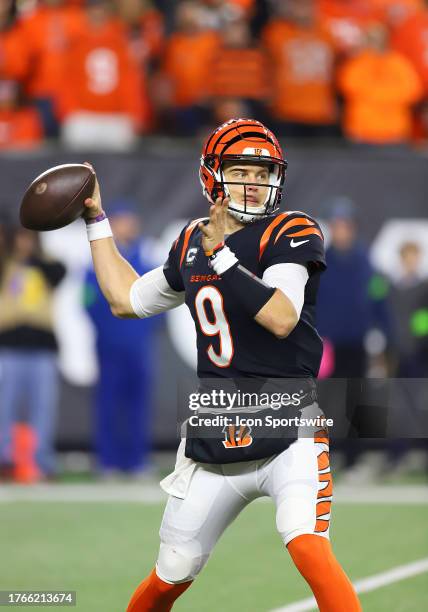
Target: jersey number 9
x,y
219,326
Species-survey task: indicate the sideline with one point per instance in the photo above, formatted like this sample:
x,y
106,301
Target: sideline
x,y
151,493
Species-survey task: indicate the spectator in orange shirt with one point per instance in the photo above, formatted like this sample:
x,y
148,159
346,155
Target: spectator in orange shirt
x,y
348,21
146,37
394,12
411,39
380,87
245,6
365,11
239,69
145,27
216,13
45,36
13,59
104,100
20,126
183,87
303,62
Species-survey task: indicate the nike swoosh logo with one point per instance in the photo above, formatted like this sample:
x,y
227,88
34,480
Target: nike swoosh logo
x,y
296,244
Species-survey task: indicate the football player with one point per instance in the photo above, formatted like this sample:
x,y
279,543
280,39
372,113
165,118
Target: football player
x,y
249,275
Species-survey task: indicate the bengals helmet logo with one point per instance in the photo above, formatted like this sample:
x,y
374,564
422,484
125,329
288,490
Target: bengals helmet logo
x,y
237,437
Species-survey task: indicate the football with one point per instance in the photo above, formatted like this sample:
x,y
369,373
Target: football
x,y
56,197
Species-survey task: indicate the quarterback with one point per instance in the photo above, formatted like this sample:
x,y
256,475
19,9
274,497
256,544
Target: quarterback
x,y
249,275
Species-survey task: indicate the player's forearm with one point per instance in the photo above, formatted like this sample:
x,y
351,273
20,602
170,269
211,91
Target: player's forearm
x,y
263,303
278,316
115,276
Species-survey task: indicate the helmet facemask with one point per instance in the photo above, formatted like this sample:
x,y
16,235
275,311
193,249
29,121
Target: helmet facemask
x,y
247,212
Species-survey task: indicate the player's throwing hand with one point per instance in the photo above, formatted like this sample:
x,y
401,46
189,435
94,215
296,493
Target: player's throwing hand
x,y
213,232
93,204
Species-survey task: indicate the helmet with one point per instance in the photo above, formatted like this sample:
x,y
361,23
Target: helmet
x,y
243,140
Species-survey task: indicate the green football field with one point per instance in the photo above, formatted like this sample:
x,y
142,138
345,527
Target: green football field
x,y
103,550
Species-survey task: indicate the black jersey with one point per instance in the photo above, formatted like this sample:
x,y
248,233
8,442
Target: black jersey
x,y
230,343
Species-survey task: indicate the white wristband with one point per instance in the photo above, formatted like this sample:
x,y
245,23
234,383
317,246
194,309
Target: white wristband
x,y
99,230
223,260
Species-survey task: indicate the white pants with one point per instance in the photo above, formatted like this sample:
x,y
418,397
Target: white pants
x,y
205,499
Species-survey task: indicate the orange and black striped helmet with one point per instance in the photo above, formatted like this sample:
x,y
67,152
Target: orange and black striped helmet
x,y
248,141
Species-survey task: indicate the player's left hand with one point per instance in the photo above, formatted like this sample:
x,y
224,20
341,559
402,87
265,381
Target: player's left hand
x,y
213,232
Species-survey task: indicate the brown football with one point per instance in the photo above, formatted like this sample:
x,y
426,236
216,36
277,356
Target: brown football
x,y
55,198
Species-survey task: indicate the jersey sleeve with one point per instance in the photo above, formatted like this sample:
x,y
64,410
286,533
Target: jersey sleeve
x,y
293,238
151,294
171,268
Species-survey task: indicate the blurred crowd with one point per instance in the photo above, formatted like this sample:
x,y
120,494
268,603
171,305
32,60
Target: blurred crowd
x,y
374,326
104,73
29,390
30,398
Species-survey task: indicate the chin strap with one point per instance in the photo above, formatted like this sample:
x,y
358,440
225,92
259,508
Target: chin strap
x,y
243,216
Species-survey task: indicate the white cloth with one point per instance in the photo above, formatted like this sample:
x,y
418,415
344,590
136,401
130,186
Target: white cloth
x,y
151,294
291,279
177,483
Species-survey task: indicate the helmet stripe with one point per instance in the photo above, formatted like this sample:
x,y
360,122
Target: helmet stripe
x,y
233,127
220,133
244,136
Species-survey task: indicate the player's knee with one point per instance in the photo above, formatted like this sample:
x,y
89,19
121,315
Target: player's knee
x,y
294,516
178,564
